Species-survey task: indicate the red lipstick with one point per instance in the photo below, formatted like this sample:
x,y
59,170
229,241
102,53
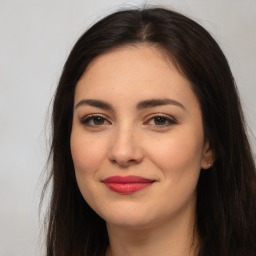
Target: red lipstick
x,y
127,184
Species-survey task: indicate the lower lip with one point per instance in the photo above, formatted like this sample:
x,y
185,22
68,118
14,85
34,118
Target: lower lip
x,y
127,188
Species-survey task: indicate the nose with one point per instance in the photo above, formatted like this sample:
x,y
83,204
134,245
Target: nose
x,y
125,149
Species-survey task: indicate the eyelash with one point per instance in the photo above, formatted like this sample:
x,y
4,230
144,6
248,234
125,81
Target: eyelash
x,y
167,120
86,120
92,118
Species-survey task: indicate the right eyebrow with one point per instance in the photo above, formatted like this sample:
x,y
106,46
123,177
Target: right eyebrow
x,y
158,102
95,103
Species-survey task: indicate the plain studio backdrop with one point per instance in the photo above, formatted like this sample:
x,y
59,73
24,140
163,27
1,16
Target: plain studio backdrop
x,y
35,39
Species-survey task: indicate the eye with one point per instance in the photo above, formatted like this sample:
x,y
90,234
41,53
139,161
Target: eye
x,y
94,120
161,121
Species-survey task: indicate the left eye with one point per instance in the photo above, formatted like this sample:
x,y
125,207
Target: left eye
x,y
94,121
161,121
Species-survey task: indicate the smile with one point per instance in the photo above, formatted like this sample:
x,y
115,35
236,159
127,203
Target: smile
x,y
127,184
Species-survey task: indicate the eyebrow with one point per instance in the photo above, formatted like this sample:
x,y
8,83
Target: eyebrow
x,y
95,103
141,105
158,102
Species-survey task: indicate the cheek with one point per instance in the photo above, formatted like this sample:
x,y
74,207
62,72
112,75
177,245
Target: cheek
x,y
88,155
179,155
86,152
179,160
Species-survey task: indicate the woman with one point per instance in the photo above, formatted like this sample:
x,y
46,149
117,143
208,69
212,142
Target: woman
x,y
149,150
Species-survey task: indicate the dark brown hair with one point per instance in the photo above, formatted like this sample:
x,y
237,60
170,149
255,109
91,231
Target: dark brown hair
x,y
226,196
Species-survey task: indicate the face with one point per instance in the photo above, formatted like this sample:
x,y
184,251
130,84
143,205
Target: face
x,y
137,138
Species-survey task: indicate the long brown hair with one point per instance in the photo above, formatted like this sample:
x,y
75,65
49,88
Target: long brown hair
x,y
226,196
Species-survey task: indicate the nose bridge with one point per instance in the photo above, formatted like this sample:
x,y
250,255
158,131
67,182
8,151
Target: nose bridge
x,y
125,147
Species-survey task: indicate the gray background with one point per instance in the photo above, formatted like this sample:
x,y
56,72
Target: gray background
x,y
35,39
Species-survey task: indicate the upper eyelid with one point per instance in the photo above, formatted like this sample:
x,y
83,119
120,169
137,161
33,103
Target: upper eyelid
x,y
94,115
161,115
90,116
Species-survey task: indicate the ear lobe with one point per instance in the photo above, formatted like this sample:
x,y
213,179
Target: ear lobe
x,y
208,157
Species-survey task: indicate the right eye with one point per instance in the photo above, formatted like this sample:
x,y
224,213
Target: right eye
x,y
94,120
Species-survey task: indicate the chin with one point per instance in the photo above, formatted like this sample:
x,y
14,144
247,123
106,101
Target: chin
x,y
129,218
129,222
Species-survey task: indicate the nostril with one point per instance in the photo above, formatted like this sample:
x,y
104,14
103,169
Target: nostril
x,y
113,161
124,162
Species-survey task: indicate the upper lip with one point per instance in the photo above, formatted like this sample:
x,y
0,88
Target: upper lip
x,y
127,179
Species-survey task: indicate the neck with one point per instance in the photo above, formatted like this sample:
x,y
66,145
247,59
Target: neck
x,y
176,237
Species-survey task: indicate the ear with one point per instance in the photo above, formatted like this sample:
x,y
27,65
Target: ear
x,y
208,156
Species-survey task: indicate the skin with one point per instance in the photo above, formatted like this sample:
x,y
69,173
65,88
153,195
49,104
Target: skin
x,y
127,140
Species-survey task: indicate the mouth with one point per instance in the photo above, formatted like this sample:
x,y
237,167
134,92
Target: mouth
x,y
127,184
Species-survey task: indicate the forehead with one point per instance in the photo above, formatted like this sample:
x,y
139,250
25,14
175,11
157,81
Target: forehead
x,y
133,52
133,72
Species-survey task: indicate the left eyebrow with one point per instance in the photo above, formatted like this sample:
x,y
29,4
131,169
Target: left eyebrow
x,y
95,103
159,102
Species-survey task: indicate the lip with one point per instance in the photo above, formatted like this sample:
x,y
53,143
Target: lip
x,y
127,184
